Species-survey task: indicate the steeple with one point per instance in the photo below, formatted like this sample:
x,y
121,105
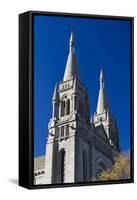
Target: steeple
x,y
71,66
102,104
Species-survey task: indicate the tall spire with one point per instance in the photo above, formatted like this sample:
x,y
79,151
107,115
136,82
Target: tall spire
x,y
71,66
102,104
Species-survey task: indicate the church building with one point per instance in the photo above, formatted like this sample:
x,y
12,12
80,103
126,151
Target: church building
x,y
78,147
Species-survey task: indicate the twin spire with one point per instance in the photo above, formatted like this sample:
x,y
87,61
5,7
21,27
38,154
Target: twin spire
x,y
71,71
102,104
71,67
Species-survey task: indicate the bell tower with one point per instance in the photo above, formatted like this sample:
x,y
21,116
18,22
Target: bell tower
x,y
104,116
68,149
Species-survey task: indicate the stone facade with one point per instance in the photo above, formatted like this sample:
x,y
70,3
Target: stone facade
x,y
39,169
78,147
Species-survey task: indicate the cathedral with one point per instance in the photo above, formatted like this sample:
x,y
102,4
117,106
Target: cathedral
x,y
79,147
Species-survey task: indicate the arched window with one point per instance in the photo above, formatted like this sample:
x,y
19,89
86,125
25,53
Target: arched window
x,y
67,130
68,107
62,131
84,166
62,164
62,108
57,132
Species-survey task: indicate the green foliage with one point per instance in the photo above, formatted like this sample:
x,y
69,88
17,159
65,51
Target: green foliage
x,y
120,169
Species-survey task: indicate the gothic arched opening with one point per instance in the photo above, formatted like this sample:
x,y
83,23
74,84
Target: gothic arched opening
x,y
67,130
68,107
62,108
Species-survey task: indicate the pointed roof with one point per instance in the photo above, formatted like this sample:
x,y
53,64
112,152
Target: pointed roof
x,y
72,38
101,79
71,66
55,94
102,104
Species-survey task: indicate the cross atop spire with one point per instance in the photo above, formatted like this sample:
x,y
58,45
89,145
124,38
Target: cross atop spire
x,y
71,67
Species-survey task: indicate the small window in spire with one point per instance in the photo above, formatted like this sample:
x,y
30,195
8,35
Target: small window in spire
x,y
68,107
62,131
62,108
67,130
57,132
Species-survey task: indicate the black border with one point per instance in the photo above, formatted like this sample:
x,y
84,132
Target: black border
x,y
26,91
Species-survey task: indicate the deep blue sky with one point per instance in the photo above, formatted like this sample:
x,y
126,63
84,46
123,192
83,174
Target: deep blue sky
x,y
98,43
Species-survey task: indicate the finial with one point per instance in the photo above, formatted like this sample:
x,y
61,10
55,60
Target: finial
x,y
101,79
71,42
101,74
